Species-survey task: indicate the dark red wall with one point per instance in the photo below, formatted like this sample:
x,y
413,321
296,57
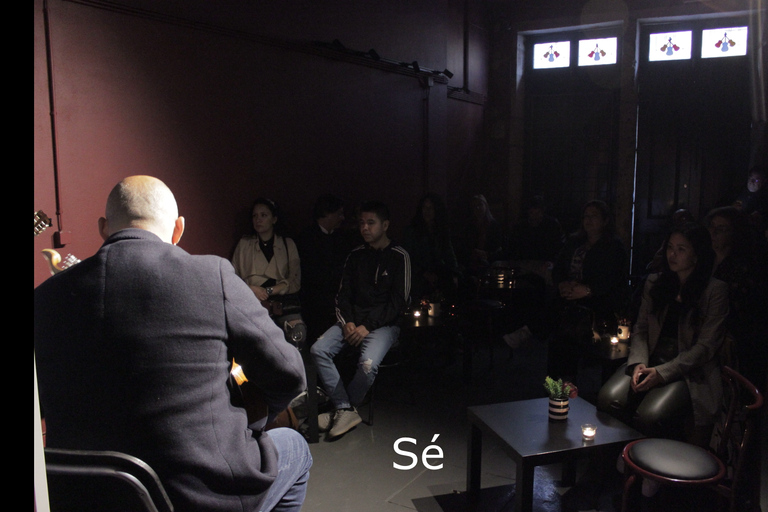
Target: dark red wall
x,y
213,99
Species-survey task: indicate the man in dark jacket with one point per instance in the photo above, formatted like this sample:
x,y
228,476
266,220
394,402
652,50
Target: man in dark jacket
x,y
374,291
134,347
323,248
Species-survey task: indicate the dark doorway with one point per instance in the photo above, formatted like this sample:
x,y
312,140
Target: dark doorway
x,y
693,136
571,132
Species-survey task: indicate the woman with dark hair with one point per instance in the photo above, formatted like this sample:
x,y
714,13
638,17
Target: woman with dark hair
x,y
592,264
673,370
434,269
270,265
740,261
591,279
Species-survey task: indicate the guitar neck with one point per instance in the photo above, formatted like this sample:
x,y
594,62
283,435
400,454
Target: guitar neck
x,y
42,222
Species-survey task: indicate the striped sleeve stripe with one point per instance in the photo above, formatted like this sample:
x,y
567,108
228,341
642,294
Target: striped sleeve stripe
x,y
407,270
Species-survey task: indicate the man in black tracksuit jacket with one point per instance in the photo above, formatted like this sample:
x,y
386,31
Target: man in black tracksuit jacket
x,y
374,291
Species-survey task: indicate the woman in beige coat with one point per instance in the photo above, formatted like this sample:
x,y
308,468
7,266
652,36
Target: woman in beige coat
x,y
270,266
671,383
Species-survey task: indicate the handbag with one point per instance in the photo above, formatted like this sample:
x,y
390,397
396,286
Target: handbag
x,y
273,307
283,304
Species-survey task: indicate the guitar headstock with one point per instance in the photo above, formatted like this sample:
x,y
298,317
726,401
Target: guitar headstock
x,y
42,222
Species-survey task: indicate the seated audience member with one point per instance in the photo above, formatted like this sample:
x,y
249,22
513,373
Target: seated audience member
x,y
427,239
483,238
591,269
134,347
591,279
754,199
740,261
679,218
323,247
374,292
539,237
673,371
270,265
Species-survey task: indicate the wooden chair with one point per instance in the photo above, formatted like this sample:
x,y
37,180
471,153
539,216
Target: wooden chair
x,y
675,463
101,481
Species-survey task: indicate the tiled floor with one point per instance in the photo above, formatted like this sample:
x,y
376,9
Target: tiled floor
x,y
420,401
355,473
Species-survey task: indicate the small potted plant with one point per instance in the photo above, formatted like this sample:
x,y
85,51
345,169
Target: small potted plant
x,y
559,393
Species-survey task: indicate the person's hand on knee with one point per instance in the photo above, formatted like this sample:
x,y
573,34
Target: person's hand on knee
x,y
645,379
357,335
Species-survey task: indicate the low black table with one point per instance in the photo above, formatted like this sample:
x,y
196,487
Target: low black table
x,y
531,439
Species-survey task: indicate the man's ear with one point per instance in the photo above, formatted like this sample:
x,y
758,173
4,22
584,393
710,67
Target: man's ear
x,y
178,230
385,225
103,228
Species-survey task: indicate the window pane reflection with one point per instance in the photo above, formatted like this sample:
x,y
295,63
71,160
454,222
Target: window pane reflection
x,y
552,55
723,42
597,52
670,46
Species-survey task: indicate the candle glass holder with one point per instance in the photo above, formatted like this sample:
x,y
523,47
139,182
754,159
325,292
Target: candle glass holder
x,y
623,331
588,432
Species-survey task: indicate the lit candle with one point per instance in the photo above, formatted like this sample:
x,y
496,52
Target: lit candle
x,y
614,340
588,432
417,313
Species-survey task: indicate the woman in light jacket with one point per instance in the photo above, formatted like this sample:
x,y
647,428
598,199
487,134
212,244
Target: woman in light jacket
x,y
672,375
270,266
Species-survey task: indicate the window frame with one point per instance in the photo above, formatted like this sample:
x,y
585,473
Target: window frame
x,y
696,26
573,35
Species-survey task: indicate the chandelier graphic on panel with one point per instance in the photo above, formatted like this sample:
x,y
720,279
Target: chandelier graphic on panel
x,y
725,43
670,47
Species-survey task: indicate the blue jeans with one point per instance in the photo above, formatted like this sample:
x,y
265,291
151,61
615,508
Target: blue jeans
x,y
287,492
373,348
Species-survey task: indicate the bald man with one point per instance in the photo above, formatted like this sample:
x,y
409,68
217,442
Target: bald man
x,y
134,347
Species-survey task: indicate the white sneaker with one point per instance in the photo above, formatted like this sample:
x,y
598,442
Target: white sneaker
x,y
517,338
343,421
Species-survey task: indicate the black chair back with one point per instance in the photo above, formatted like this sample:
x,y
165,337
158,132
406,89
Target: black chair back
x,y
102,481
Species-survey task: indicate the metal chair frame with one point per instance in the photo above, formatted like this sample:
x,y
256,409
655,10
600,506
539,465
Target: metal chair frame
x,y
78,480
